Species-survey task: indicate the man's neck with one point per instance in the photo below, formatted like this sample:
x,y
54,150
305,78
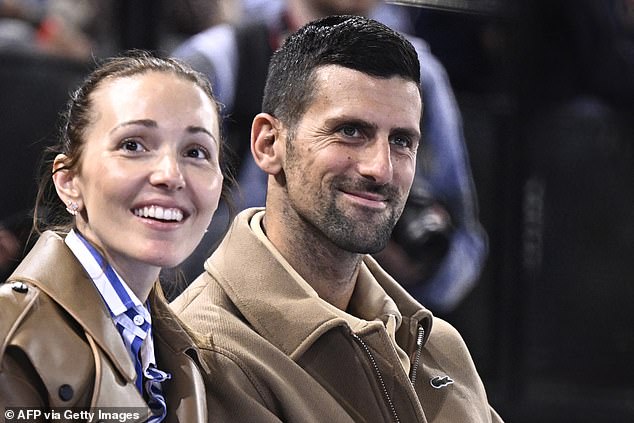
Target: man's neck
x,y
329,270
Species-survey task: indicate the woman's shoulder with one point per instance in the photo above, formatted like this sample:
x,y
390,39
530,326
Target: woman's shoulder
x,y
37,338
16,300
33,321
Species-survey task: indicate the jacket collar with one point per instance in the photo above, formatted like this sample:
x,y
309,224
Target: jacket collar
x,y
53,268
277,303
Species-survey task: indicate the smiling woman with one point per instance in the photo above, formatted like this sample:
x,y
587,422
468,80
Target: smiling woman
x,y
136,179
159,153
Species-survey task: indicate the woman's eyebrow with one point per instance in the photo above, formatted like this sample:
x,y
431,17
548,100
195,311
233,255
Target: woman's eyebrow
x,y
149,123
143,122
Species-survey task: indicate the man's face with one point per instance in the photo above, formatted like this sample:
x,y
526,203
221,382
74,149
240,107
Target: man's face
x,y
351,162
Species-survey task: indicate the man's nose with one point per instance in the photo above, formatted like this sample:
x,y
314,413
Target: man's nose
x,y
376,161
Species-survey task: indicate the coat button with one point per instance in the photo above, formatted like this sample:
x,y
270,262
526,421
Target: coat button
x,y
65,392
19,287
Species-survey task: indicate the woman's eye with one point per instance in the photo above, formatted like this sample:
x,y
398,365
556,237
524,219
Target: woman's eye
x,y
132,145
198,153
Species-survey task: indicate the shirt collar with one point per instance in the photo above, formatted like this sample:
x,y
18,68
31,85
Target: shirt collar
x,y
123,304
113,289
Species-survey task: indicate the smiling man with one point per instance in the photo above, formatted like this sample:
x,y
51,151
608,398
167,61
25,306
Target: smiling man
x,y
301,323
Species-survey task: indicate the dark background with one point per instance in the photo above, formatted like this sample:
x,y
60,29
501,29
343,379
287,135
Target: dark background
x,y
545,89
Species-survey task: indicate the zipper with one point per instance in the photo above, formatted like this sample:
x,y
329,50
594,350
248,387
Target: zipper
x,y
379,377
419,348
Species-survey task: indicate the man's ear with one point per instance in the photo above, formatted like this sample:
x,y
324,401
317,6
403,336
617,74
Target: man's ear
x,y
65,182
267,144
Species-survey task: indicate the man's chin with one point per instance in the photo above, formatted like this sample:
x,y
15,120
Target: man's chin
x,y
368,243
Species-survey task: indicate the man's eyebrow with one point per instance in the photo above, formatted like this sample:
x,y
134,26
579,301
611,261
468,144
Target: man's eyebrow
x,y
345,120
412,133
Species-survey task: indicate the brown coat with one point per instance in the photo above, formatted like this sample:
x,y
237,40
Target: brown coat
x,y
60,348
278,353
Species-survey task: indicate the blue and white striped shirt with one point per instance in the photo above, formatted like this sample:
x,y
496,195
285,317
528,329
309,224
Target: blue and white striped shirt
x,y
131,317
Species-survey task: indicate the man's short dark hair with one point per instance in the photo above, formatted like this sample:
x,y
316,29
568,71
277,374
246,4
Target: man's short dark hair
x,y
353,42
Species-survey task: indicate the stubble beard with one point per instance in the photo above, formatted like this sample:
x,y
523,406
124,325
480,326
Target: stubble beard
x,y
351,229
358,235
320,213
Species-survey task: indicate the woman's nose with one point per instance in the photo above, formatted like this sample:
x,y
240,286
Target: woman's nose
x,y
167,173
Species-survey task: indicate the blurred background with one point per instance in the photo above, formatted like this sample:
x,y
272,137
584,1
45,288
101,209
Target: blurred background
x,y
546,93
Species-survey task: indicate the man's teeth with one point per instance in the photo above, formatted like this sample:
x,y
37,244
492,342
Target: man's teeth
x,y
157,212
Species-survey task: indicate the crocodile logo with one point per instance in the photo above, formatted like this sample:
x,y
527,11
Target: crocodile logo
x,y
440,381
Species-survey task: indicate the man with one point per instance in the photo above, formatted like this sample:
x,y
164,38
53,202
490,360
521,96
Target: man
x,y
235,58
302,324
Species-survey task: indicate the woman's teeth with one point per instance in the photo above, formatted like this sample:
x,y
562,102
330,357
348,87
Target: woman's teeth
x,y
157,212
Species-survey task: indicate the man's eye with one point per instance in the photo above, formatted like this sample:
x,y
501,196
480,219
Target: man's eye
x,y
402,141
349,131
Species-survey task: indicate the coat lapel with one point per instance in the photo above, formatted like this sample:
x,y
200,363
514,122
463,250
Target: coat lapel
x,y
53,268
177,355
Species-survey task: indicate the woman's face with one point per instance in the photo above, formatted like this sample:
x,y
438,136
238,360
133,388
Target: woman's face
x,y
149,180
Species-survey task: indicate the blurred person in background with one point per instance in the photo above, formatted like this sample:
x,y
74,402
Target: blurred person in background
x,y
185,18
66,28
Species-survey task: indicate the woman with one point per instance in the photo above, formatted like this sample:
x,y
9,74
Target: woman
x,y
83,321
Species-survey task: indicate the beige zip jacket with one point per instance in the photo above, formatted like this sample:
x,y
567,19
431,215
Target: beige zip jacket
x,y
277,352
60,348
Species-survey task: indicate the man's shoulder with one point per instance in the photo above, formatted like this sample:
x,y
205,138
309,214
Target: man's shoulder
x,y
204,306
445,336
226,338
450,353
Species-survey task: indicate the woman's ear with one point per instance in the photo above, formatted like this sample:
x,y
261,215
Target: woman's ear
x,y
66,184
267,144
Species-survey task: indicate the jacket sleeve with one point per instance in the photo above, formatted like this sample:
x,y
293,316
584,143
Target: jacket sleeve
x,y
18,380
495,417
465,399
18,384
233,392
36,344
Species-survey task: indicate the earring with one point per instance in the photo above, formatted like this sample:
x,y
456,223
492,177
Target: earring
x,y
72,208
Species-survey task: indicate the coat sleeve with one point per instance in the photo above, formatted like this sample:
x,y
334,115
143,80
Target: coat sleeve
x,y
234,393
20,385
465,399
36,342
